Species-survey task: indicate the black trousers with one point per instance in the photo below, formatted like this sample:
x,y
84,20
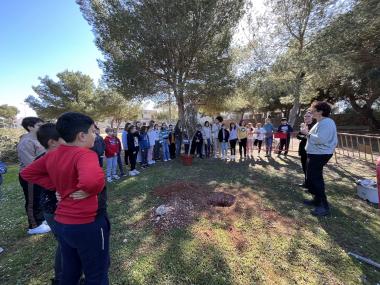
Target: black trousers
x,y
243,146
126,157
120,164
314,177
258,143
132,159
304,163
233,146
172,150
156,150
33,209
197,146
284,143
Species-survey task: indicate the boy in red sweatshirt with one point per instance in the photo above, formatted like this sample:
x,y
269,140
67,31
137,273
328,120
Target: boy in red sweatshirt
x,y
82,232
113,147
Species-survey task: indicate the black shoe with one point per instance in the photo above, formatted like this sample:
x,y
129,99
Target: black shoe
x,y
312,203
320,211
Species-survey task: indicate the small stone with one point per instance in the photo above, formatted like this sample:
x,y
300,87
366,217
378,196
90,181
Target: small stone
x,y
162,210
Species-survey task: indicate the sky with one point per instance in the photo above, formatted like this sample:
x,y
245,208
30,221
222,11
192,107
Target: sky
x,y
38,38
45,37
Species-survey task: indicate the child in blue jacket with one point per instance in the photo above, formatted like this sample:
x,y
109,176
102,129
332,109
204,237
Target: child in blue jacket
x,y
144,146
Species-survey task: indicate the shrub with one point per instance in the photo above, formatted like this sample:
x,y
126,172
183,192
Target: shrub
x,y
8,143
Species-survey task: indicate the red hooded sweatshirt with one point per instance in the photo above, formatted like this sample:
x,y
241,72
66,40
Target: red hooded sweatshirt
x,y
113,146
68,169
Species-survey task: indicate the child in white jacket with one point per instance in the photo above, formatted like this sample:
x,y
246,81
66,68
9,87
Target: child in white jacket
x,y
259,137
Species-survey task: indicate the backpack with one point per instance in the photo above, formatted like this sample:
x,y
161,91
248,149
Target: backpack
x,y
3,168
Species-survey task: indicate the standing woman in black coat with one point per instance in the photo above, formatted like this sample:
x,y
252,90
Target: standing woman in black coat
x,y
308,123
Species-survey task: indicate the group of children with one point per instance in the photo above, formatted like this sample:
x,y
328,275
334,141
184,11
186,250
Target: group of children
x,y
61,173
218,138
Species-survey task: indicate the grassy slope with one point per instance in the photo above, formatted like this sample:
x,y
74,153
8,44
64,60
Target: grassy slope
x,y
289,247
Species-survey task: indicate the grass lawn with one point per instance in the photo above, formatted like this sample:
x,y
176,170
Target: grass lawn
x,y
266,237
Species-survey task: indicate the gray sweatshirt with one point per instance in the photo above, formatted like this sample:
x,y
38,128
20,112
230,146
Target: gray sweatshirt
x,y
28,149
322,138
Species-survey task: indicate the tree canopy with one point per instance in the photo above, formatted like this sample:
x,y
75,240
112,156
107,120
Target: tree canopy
x,y
166,46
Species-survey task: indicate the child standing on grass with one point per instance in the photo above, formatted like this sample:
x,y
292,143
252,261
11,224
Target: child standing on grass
x,y
287,129
197,142
144,146
215,128
112,149
164,139
250,139
206,132
242,137
260,135
82,230
223,138
157,144
99,146
119,160
171,142
28,149
125,143
133,148
269,130
152,142
233,139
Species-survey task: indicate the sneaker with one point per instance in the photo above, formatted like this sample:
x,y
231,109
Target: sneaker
x,y
116,177
320,211
136,171
165,160
132,173
45,222
109,179
1,249
41,229
150,162
169,159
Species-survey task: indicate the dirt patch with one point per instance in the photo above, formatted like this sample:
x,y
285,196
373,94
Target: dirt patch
x,y
187,200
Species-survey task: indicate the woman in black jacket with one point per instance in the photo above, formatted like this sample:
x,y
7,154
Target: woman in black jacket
x,y
133,149
309,122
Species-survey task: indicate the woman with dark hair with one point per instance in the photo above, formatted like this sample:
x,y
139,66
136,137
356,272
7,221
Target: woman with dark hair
x,y
233,139
308,123
206,132
320,146
242,137
178,138
125,143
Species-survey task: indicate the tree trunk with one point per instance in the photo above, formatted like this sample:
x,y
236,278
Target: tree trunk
x,y
181,104
294,111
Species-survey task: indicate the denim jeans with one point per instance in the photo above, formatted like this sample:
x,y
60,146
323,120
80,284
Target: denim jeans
x,y
111,166
224,147
178,145
268,145
165,150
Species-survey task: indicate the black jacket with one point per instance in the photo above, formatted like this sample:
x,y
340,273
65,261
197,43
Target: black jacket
x,y
133,142
198,137
226,135
303,141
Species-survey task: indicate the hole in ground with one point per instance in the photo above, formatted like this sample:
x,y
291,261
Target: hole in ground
x,y
220,199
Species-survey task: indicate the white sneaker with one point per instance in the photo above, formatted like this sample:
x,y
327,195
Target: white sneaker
x,y
165,160
116,177
132,173
136,171
1,249
109,179
41,229
150,162
169,159
45,222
